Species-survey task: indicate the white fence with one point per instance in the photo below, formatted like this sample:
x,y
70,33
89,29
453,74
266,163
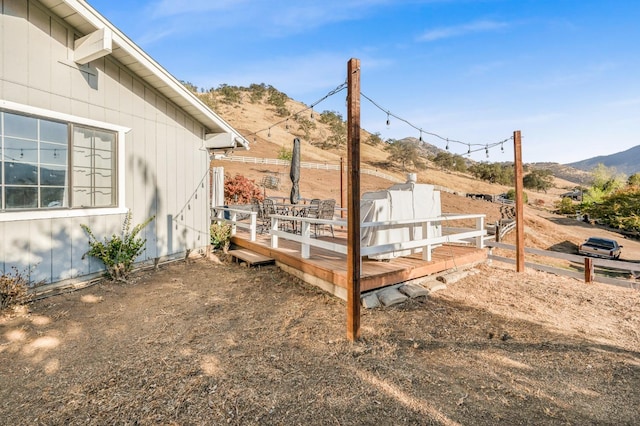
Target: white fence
x,y
449,234
326,166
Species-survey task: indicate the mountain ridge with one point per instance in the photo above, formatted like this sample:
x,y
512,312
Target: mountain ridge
x,y
627,162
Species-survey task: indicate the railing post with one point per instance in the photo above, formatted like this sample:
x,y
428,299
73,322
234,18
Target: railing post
x,y
305,233
274,228
480,227
234,217
588,270
426,251
253,226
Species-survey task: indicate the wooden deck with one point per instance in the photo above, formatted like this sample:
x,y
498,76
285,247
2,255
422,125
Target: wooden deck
x,y
328,270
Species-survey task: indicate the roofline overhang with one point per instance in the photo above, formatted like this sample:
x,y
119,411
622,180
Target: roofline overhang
x,y
209,119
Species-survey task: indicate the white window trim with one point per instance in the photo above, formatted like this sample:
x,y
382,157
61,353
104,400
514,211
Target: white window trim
x,y
11,216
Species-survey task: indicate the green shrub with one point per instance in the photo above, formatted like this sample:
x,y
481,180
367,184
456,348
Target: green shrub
x,y
120,251
511,195
13,289
221,236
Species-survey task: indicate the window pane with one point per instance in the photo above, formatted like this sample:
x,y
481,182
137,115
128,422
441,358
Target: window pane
x,y
94,172
52,131
21,150
21,197
53,176
20,126
53,153
20,174
53,197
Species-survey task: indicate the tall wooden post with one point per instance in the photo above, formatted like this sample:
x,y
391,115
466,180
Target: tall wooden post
x,y
353,196
342,193
517,148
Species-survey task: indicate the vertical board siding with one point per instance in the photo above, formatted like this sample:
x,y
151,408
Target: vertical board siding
x,y
164,159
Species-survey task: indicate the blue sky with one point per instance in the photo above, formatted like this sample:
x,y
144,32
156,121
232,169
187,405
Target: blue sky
x,y
566,73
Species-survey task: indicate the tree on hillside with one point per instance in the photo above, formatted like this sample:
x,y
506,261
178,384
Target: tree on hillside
x,y
257,92
493,172
538,180
634,180
605,181
278,100
444,160
404,152
620,209
374,139
337,129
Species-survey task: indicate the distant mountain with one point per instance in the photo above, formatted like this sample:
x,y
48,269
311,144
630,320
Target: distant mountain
x,y
566,172
627,162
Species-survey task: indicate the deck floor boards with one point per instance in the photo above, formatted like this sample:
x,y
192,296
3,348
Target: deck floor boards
x,y
331,267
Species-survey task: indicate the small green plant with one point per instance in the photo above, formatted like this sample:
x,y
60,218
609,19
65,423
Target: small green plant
x,y
221,236
119,251
13,289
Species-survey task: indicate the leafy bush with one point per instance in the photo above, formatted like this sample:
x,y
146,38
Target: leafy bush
x,y
240,190
566,206
120,251
221,236
285,154
13,289
511,195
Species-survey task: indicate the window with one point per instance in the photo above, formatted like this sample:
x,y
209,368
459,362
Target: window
x,y
36,155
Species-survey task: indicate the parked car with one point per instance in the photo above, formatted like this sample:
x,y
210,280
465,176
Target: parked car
x,y
600,247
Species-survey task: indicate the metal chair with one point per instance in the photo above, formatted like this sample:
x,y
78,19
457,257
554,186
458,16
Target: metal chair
x,y
327,211
267,208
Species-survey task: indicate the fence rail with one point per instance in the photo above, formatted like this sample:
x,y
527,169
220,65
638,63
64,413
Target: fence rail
x,y
426,244
587,272
325,166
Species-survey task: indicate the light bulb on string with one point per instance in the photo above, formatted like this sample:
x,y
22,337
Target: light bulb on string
x,y
420,135
469,150
269,133
312,113
486,150
388,120
502,147
286,124
447,147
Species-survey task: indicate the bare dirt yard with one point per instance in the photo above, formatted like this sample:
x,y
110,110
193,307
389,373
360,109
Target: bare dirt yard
x,y
204,343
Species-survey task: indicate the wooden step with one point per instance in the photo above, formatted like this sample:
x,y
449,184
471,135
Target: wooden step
x,y
251,257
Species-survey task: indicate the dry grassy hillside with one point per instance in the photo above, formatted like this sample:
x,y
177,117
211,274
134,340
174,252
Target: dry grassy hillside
x,y
256,122
542,229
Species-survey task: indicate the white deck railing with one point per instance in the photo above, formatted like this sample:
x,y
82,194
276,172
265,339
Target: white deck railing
x,y
448,234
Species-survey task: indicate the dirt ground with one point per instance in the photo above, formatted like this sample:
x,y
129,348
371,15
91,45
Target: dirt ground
x,y
205,343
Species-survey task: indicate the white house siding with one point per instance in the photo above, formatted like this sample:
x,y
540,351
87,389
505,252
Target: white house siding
x,y
165,164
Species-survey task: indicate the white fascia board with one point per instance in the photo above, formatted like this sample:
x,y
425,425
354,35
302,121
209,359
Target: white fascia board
x,y
211,119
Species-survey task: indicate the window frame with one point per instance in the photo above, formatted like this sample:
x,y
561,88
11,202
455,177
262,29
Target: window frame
x,y
66,212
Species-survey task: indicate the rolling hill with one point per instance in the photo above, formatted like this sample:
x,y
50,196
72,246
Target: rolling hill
x,y
627,162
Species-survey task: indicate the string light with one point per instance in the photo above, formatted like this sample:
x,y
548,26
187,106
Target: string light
x,y
448,140
343,86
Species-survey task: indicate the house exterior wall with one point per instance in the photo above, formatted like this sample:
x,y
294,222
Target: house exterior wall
x,y
163,169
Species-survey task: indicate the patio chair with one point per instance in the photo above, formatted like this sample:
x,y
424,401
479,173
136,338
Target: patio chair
x,y
326,211
267,208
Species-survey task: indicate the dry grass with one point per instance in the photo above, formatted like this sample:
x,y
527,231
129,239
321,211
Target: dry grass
x,y
200,343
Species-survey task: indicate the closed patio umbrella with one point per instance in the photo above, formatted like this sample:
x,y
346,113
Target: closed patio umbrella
x,y
295,172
